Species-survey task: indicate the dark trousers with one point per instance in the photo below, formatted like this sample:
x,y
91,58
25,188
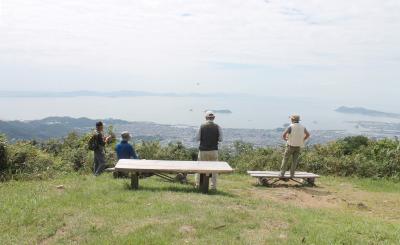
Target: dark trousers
x,y
99,162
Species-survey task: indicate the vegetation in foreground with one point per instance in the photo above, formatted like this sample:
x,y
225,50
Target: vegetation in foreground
x,y
70,205
352,156
90,210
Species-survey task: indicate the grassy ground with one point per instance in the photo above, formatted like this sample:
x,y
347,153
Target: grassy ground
x,y
103,210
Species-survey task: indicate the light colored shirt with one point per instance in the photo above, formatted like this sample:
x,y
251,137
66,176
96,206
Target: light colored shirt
x,y
296,133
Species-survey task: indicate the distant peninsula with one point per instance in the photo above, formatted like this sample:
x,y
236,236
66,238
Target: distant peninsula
x,y
366,112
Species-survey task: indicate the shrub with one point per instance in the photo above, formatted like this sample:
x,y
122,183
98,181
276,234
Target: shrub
x,y
353,143
26,161
3,153
351,156
173,151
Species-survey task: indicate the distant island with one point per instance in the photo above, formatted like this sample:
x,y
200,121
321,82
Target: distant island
x,y
366,112
224,111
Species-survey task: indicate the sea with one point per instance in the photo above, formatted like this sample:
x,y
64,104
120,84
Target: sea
x,y
247,111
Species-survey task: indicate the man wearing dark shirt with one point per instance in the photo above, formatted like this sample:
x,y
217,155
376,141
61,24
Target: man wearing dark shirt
x,y
124,149
99,150
209,135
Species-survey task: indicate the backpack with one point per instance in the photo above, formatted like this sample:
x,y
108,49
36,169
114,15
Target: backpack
x,y
92,143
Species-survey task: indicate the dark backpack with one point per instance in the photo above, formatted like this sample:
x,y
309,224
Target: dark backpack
x,y
92,143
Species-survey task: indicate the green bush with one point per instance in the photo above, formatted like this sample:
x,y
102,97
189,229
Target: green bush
x,y
26,161
173,151
353,143
351,156
3,153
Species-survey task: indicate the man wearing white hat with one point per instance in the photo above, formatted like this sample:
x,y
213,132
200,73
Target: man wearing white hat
x,y
209,136
295,136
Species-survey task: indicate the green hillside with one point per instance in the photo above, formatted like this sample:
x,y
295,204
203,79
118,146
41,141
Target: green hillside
x,y
49,196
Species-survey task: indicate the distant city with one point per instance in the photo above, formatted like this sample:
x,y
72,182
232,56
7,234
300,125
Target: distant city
x,y
58,127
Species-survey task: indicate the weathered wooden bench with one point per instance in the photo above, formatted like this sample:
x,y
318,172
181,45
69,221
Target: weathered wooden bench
x,y
267,178
161,167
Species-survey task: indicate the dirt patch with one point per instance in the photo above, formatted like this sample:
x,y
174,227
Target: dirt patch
x,y
70,224
134,225
52,239
346,197
66,228
302,197
187,229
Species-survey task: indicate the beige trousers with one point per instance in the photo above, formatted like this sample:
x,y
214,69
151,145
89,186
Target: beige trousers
x,y
208,156
294,152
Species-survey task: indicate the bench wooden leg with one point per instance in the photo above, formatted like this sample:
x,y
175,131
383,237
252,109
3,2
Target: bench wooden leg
x,y
135,181
204,183
311,181
263,181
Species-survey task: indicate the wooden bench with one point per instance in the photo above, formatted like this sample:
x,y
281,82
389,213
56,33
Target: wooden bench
x,y
267,178
205,169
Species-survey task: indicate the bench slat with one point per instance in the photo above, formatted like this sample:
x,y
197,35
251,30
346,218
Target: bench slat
x,y
164,166
276,174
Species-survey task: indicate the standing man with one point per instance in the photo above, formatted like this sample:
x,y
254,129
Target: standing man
x,y
209,135
295,136
97,143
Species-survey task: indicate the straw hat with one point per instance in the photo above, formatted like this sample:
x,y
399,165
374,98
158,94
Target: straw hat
x,y
295,118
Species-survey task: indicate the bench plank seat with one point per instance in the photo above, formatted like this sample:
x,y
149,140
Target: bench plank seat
x,y
276,174
165,166
266,177
205,169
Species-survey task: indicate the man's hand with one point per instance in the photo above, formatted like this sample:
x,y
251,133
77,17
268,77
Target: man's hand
x,y
307,135
285,135
108,139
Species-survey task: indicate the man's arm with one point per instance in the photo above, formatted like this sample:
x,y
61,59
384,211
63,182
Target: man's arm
x,y
220,135
100,140
108,139
198,134
286,134
307,134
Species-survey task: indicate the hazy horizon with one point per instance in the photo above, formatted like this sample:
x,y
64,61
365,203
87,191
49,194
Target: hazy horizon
x,y
248,112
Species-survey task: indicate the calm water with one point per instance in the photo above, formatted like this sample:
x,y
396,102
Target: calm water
x,y
255,112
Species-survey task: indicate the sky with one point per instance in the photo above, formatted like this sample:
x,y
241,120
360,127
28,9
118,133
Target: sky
x,y
338,50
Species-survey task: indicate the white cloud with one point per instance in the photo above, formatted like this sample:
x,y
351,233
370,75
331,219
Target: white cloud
x,y
181,40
